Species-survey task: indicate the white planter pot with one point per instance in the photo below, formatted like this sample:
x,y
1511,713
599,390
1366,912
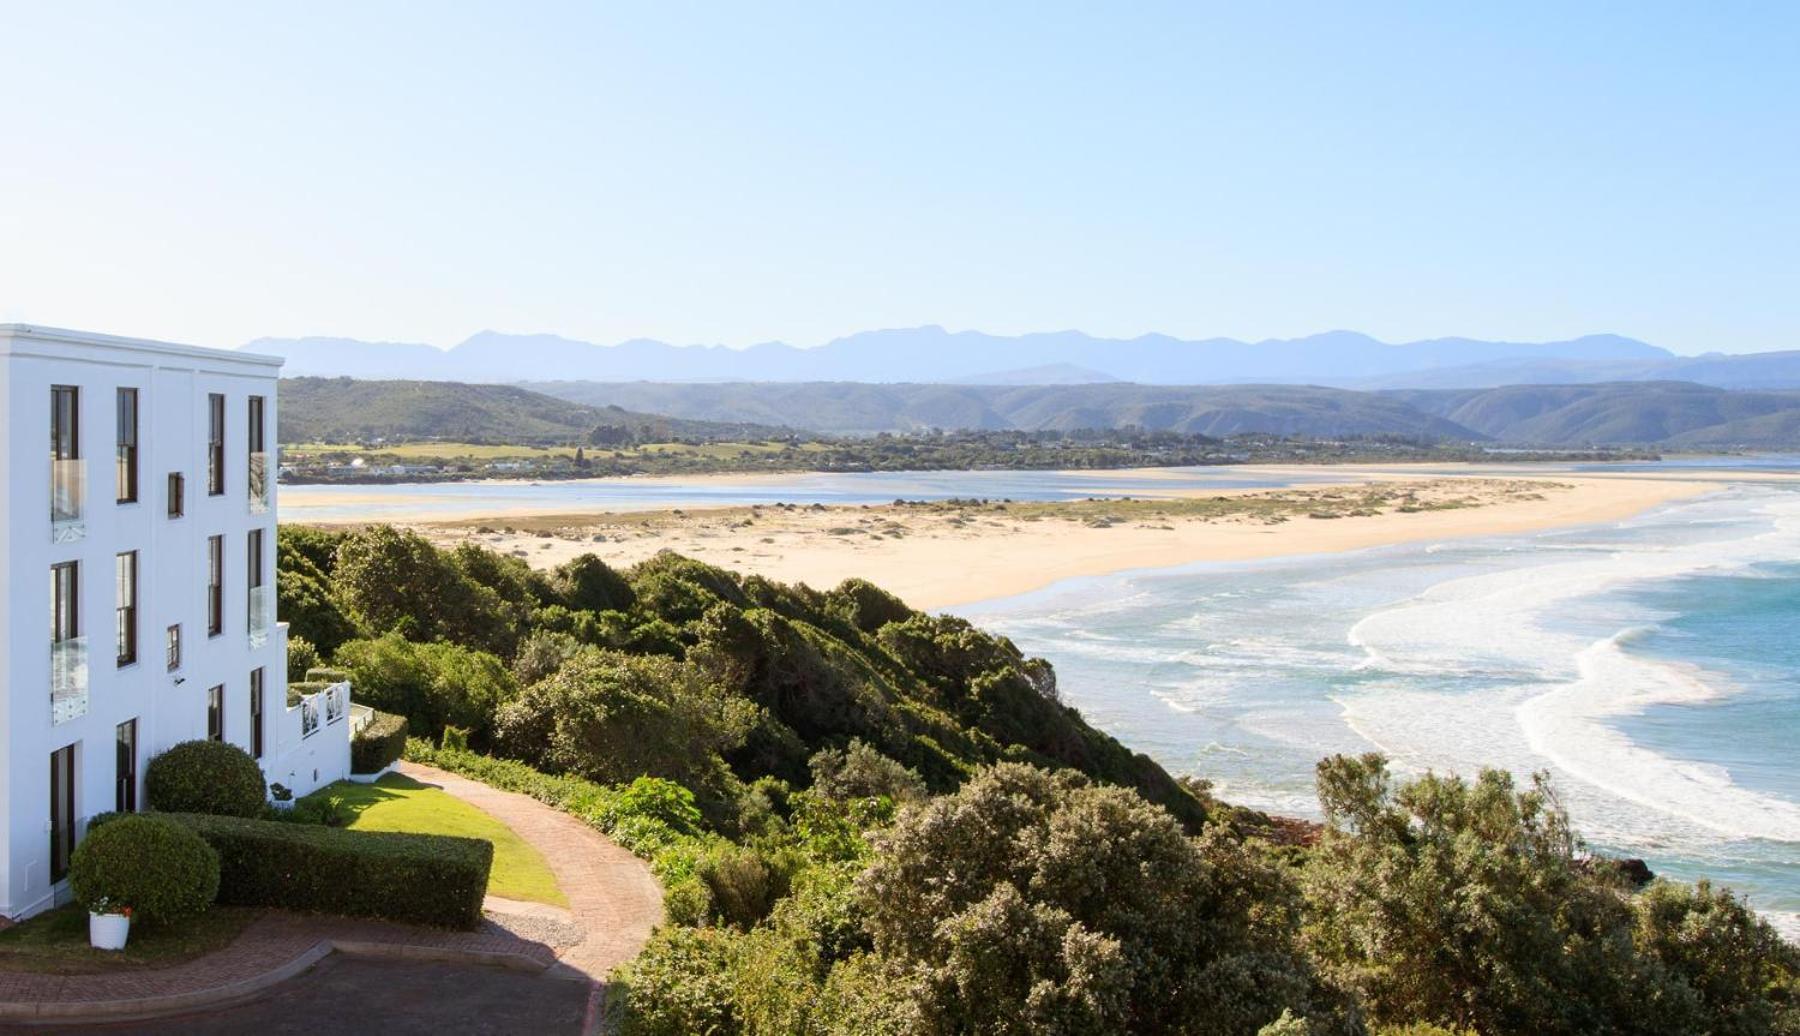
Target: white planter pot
x,y
282,803
108,931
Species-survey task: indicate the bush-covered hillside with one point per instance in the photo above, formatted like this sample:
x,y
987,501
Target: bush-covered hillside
x,y
343,410
677,669
869,820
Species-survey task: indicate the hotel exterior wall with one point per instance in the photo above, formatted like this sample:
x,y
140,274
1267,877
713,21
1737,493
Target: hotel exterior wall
x,y
173,384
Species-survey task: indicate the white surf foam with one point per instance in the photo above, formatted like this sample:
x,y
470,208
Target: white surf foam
x,y
1569,726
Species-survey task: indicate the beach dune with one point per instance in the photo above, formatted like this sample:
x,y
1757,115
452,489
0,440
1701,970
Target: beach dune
x,y
940,556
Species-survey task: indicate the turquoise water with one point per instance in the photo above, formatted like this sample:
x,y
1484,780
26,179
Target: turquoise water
x,y
1652,667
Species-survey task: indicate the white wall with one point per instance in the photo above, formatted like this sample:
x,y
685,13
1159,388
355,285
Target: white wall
x,y
173,384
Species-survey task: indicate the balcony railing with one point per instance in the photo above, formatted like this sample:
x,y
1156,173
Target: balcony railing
x,y
68,500
259,483
309,716
337,699
262,614
68,679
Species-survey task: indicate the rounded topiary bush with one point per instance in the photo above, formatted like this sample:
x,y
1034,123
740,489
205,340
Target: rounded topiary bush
x,y
159,869
206,777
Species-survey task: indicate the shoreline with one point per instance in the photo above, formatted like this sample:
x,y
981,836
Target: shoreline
x,y
938,557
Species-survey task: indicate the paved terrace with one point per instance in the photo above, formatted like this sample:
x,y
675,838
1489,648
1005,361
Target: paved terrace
x,y
614,903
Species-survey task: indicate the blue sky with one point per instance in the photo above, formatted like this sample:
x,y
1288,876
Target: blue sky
x,y
738,173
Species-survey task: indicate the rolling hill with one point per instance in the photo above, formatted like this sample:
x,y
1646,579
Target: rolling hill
x,y
349,410
1670,414
1676,415
853,408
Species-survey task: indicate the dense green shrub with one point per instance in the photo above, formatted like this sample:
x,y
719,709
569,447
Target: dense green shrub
x,y
589,584
680,985
301,656
743,884
423,879
432,685
392,581
159,869
866,606
610,716
1469,904
326,674
304,601
378,744
206,777
1031,901
860,771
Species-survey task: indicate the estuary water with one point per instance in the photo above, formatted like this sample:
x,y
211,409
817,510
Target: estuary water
x,y
1652,667
406,501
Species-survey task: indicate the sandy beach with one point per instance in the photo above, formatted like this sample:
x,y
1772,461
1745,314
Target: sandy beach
x,y
942,555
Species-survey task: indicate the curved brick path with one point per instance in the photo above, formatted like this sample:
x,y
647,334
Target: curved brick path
x,y
611,893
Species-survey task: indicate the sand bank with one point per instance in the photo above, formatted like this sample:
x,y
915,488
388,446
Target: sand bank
x,y
940,556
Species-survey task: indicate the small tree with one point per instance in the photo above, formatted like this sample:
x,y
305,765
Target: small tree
x,y
206,777
156,869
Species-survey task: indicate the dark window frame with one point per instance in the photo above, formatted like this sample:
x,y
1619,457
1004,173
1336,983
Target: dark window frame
x,y
172,647
63,793
125,607
65,601
256,713
215,585
215,444
177,494
215,713
125,481
125,742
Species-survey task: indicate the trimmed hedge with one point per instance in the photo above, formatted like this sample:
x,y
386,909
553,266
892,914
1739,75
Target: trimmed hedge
x,y
206,777
424,879
381,742
161,870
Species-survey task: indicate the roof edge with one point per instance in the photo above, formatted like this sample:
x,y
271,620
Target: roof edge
x,y
67,336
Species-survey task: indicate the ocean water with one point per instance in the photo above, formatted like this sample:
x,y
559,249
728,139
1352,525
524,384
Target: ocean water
x,y
1651,667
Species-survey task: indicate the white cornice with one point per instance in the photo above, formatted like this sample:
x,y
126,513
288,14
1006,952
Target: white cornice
x,y
32,340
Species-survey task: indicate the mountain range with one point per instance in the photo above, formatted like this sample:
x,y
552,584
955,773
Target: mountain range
x,y
931,354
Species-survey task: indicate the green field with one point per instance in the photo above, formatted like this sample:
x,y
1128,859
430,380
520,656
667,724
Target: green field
x,y
399,803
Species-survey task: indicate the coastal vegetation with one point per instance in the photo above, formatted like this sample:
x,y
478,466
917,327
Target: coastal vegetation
x,y
868,819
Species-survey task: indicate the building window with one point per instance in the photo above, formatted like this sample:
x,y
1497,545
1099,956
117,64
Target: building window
x,y
257,610
68,648
62,811
177,494
174,647
126,606
256,713
258,471
215,444
127,476
125,769
215,714
215,585
68,478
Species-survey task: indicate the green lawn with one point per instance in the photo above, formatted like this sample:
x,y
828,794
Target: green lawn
x,y
56,942
399,803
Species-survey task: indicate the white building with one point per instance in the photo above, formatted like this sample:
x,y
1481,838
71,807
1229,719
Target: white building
x,y
138,570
